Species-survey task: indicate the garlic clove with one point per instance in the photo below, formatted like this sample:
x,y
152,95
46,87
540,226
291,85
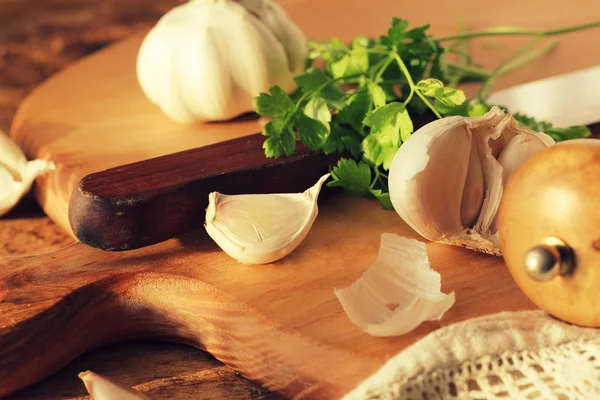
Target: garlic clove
x,y
261,228
419,189
518,150
472,197
102,388
446,180
398,292
12,158
16,173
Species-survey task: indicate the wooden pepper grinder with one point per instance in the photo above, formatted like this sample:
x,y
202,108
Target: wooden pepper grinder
x,y
549,226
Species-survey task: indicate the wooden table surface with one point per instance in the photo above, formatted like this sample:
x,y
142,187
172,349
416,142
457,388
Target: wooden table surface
x,y
37,38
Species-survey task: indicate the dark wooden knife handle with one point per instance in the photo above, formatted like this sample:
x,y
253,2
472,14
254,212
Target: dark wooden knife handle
x,y
147,202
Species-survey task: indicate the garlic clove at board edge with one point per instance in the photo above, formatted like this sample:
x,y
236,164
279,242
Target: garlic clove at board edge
x,y
398,292
100,387
446,180
261,228
16,173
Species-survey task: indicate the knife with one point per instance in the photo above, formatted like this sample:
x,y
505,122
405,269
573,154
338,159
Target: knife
x,y
564,100
147,202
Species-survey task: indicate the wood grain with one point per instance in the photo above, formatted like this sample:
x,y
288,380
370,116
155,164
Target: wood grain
x,y
161,370
278,324
39,38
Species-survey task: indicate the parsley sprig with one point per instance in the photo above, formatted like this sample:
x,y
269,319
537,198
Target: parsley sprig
x,y
366,98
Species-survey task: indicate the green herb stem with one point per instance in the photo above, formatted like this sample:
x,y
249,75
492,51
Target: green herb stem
x,y
517,31
375,179
522,57
529,57
385,65
472,69
413,87
324,85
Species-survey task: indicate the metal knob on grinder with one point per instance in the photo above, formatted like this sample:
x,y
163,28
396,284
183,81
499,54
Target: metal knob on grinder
x,y
550,258
549,230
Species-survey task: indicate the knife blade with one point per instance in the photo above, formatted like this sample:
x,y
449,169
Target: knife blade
x,y
564,100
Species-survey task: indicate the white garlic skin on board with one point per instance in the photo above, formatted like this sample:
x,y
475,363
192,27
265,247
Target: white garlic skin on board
x,y
16,173
261,228
447,179
207,59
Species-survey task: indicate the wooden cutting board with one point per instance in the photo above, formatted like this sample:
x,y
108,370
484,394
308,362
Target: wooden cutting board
x,y
278,324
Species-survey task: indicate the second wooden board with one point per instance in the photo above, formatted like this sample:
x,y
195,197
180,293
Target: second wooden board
x,y
278,324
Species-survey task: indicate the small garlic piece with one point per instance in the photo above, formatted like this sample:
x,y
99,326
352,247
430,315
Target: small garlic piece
x,y
447,179
102,388
398,292
261,228
206,60
16,173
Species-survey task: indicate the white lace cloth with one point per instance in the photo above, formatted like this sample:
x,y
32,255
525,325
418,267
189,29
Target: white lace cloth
x,y
517,355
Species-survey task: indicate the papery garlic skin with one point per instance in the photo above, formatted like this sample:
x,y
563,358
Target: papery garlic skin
x,y
102,388
447,179
398,292
16,173
261,228
207,59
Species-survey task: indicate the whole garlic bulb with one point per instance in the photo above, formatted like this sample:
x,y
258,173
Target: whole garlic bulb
x,y
447,179
16,173
207,59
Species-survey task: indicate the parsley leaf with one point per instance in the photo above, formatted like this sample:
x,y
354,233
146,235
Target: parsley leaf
x,y
446,98
281,139
478,110
316,108
275,104
315,80
377,95
356,61
311,132
383,141
352,176
357,106
558,134
396,34
342,139
572,132
383,197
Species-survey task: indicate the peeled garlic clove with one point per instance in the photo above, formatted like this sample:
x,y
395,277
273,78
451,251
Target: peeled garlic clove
x,y
16,173
446,180
398,292
261,228
102,388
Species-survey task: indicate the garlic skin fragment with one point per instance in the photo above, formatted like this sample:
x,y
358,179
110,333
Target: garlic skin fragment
x,y
447,179
398,292
261,228
102,388
206,60
16,173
